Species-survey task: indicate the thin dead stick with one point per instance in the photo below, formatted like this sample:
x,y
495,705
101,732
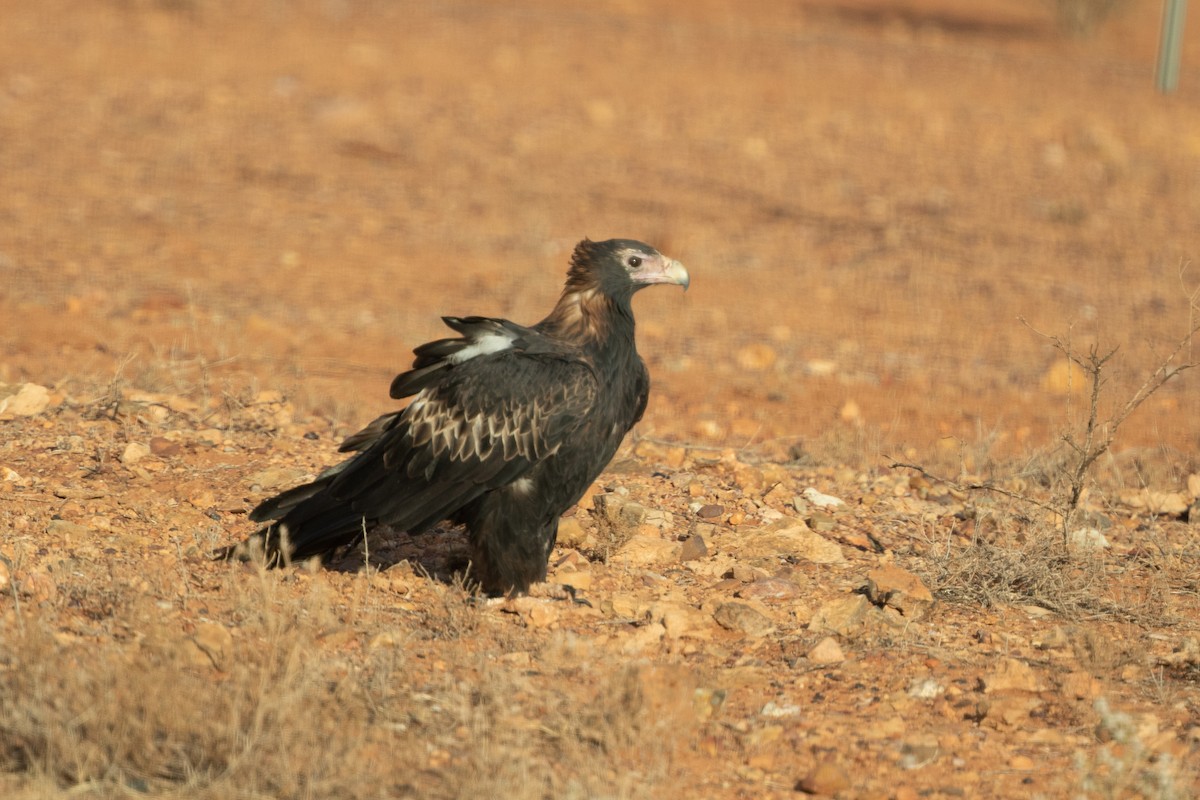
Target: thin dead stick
x,y
973,486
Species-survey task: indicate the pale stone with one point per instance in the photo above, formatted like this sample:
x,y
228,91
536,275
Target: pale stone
x,y
1080,686
25,400
278,478
1087,540
741,617
900,589
680,619
1010,710
642,551
826,779
643,638
925,689
841,616
822,500
71,531
134,452
571,532
757,357
1012,674
769,589
827,651
797,541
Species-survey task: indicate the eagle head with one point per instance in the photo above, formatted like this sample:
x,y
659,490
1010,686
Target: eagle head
x,y
620,267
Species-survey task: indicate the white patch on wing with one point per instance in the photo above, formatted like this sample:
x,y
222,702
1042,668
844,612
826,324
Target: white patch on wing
x,y
481,346
522,486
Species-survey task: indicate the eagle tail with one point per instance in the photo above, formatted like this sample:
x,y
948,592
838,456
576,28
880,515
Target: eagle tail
x,y
304,522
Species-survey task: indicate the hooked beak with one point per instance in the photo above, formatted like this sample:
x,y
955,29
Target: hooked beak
x,y
665,270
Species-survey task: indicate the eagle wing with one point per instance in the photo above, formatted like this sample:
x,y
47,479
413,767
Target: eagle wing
x,y
487,408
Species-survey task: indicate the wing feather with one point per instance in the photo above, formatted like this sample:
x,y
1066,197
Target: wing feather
x,y
481,424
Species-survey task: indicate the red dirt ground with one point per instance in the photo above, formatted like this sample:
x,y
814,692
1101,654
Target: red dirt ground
x,y
246,215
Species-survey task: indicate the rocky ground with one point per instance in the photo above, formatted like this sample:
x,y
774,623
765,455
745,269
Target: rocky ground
x,y
225,226
754,628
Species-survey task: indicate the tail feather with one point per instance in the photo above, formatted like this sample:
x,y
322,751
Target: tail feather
x,y
315,525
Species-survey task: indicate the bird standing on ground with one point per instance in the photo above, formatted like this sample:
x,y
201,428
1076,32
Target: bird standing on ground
x,y
508,426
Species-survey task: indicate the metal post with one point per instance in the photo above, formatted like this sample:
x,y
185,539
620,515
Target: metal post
x,y
1170,44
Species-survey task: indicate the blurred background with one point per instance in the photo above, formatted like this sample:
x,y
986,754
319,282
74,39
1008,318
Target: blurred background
x,y
207,196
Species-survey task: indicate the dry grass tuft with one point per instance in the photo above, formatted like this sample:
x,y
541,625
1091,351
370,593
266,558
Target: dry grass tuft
x,y
281,699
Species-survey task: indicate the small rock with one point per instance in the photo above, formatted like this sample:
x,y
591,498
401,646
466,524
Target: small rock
x,y
747,478
536,612
388,640
571,532
681,619
826,778
213,437
1055,639
643,638
822,500
642,551
820,521
757,357
71,531
841,616
769,589
164,448
278,477
134,452
38,587
1193,486
821,367
789,539
780,710
1172,504
742,618
707,702
710,511
1080,686
925,689
919,751
1087,540
1009,710
827,651
625,606
1012,674
25,400
693,548
898,588
619,510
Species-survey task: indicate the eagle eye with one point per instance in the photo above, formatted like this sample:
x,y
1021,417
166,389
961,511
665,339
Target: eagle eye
x,y
634,261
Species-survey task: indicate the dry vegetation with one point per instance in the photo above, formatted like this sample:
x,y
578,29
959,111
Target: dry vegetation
x,y
223,226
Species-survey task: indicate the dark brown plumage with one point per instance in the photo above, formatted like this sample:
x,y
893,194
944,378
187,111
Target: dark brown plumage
x,y
507,428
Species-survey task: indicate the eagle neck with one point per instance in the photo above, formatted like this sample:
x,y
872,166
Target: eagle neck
x,y
592,318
